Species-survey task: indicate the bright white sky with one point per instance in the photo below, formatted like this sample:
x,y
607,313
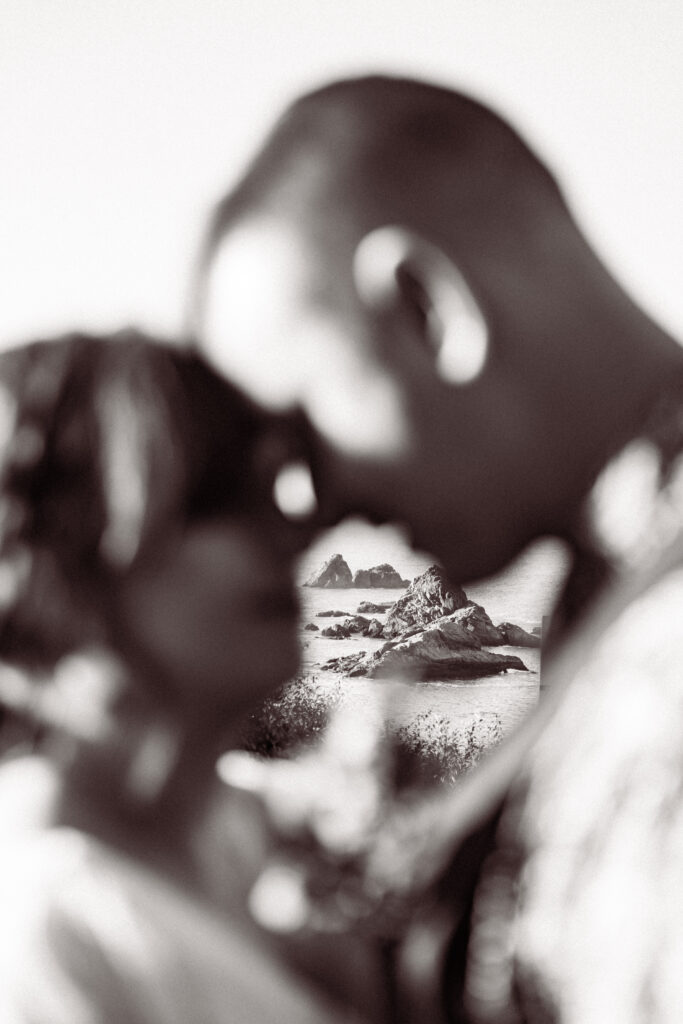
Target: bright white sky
x,y
121,120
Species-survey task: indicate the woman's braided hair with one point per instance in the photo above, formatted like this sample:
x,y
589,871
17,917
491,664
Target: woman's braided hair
x,y
103,442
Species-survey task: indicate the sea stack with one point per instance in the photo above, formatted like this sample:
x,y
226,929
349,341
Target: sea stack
x,y
429,597
380,576
333,575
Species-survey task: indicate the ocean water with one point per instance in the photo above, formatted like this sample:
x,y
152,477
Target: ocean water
x,y
523,594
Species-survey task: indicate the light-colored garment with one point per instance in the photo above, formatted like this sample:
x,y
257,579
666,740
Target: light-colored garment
x,y
90,937
599,929
579,911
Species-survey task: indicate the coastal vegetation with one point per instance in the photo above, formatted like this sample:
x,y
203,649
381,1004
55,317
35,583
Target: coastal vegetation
x,y
429,749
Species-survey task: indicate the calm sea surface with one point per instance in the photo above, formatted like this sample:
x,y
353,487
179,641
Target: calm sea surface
x,y
523,595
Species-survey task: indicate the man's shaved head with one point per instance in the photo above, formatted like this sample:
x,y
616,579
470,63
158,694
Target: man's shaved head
x,y
368,151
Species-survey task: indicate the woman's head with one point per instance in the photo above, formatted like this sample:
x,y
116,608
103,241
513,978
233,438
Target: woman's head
x,y
133,518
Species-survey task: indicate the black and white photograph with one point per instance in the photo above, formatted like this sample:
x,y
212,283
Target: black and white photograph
x,y
341,512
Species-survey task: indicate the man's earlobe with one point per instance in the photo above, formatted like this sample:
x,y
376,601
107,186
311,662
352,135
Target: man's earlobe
x,y
394,263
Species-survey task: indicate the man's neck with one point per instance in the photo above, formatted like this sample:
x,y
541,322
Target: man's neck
x,y
617,364
634,508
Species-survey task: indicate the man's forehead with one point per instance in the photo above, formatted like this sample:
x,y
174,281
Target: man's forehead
x,y
252,297
260,329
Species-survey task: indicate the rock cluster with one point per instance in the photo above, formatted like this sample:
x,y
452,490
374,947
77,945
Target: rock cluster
x,y
336,575
336,632
355,625
433,632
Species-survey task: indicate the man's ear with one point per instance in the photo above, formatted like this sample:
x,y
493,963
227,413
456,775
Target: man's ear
x,y
392,265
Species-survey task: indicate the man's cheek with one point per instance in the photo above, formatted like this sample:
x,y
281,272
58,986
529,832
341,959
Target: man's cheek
x,y
355,407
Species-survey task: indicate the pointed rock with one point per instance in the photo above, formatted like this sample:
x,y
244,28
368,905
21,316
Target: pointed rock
x,y
333,575
429,597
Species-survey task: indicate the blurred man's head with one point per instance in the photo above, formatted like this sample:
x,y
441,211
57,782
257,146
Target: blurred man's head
x,y
397,263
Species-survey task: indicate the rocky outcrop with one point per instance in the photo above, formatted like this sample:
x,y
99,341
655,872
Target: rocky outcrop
x,y
348,664
358,625
433,632
370,608
432,655
478,625
445,650
336,632
515,636
380,576
333,575
468,627
336,575
336,614
429,597
311,627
